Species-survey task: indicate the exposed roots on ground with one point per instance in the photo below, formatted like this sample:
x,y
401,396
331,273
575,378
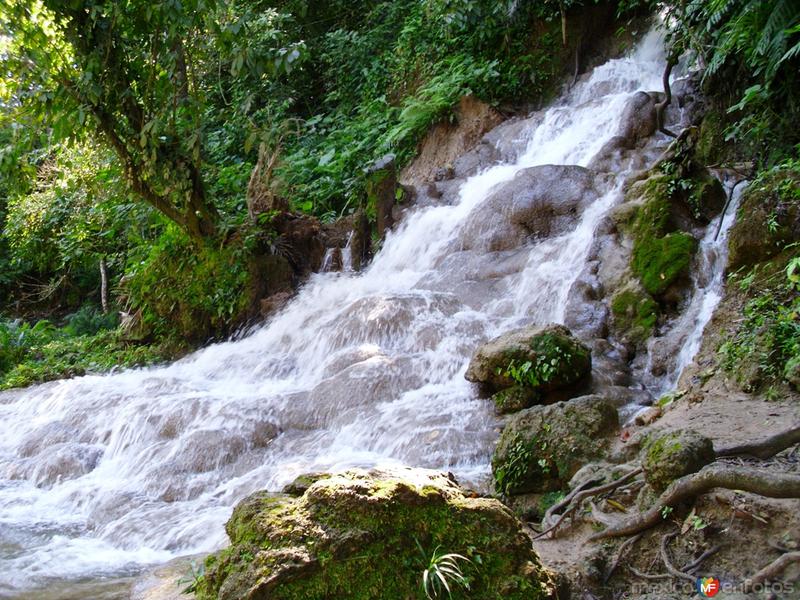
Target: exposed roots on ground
x,y
772,570
574,499
748,479
765,448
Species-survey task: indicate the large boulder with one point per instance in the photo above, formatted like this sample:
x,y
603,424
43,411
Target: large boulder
x,y
557,360
772,220
666,456
542,447
371,534
542,201
638,119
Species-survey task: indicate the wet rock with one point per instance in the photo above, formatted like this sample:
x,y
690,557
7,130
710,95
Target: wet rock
x,y
55,432
65,461
207,450
542,201
514,399
542,447
634,314
358,535
557,359
666,456
638,119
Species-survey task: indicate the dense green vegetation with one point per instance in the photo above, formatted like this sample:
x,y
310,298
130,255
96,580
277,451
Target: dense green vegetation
x,y
129,132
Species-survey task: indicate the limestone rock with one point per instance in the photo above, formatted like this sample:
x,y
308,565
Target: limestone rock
x,y
542,447
515,398
357,535
556,358
638,118
542,201
772,220
668,456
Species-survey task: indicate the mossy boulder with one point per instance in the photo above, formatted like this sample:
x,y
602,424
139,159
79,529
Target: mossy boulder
x,y
634,314
370,535
666,456
515,398
706,196
769,219
554,358
542,447
660,262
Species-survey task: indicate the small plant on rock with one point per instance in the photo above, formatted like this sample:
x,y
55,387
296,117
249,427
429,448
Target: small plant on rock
x,y
442,572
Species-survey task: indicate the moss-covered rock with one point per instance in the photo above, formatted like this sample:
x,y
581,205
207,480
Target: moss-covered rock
x,y
769,219
515,398
634,314
660,262
668,456
542,447
541,358
706,196
370,535
302,482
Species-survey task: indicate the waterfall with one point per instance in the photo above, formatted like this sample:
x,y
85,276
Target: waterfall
x,y
100,475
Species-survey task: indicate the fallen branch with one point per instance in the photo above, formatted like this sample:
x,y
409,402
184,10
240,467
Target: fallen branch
x,y
579,496
668,563
747,479
771,570
765,448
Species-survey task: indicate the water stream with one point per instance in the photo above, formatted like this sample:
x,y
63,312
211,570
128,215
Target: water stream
x,y
101,475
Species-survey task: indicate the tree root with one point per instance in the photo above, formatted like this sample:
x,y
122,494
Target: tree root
x,y
578,495
747,479
662,106
772,570
668,563
627,544
695,564
765,448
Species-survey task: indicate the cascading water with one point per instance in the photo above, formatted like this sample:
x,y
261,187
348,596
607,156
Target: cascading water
x,y
683,337
100,475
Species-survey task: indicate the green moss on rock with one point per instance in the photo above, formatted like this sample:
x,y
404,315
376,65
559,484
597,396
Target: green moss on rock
x,y
555,360
659,262
358,536
542,447
668,456
634,314
769,219
514,399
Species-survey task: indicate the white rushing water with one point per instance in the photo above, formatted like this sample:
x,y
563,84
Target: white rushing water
x,y
102,474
